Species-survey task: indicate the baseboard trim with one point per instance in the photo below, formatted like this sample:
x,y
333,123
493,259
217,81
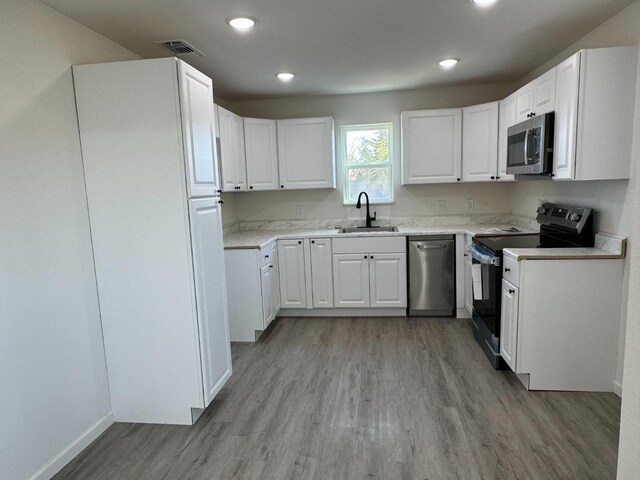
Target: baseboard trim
x,y
617,388
56,464
343,312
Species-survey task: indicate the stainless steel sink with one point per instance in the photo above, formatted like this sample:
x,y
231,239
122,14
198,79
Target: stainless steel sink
x,y
367,229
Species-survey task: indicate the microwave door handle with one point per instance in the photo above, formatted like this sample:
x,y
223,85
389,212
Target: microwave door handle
x,y
526,147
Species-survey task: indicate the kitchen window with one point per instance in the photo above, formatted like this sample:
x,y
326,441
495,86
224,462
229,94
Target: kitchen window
x,y
366,160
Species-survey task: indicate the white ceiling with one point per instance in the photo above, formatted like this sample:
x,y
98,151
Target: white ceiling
x,y
347,46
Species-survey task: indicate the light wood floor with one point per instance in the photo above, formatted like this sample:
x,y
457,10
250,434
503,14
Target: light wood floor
x,y
385,398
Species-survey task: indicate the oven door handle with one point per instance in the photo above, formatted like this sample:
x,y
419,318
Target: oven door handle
x,y
526,146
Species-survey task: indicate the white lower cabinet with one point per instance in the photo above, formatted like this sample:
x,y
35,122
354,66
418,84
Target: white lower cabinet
x,y
388,279
253,286
559,322
509,324
321,273
351,280
370,272
291,259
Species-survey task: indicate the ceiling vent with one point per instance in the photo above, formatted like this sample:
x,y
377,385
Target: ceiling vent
x,y
180,47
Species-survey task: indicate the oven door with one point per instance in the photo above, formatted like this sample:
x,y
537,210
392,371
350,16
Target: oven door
x,y
486,303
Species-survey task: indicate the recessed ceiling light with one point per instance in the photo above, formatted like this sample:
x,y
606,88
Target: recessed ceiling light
x,y
483,3
285,76
241,23
449,62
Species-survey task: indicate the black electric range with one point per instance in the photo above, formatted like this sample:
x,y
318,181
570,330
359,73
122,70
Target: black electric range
x,y
561,226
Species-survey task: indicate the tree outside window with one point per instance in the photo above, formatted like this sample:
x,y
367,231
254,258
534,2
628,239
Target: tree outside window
x,y
367,162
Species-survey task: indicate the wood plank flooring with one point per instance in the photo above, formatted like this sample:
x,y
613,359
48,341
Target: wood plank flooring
x,y
367,398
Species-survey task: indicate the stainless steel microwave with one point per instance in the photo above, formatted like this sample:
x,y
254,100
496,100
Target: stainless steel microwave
x,y
530,146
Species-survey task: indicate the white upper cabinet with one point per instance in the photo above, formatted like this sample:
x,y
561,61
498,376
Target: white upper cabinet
x,y
480,142
537,97
261,149
306,154
594,114
321,273
198,125
292,274
566,118
506,120
232,156
432,146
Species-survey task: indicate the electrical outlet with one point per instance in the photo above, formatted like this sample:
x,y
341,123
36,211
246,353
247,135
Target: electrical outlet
x,y
299,211
441,206
469,205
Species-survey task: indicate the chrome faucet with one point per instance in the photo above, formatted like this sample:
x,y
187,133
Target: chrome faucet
x,y
359,205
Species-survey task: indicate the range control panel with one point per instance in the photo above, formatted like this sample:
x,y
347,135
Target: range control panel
x,y
563,216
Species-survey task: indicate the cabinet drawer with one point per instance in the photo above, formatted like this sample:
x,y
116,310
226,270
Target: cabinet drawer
x,y
510,270
370,245
267,254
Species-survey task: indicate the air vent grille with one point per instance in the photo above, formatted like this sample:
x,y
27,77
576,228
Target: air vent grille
x,y
179,47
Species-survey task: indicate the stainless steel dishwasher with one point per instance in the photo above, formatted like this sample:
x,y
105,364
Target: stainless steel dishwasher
x,y
432,277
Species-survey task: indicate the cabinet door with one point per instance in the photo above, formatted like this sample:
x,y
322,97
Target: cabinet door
x,y
211,295
351,280
266,285
321,273
432,146
509,324
480,142
199,131
227,150
388,279
293,292
566,118
524,103
544,92
261,151
240,162
306,157
506,120
275,285
468,284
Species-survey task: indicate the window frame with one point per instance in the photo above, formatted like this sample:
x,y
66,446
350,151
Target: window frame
x,y
345,166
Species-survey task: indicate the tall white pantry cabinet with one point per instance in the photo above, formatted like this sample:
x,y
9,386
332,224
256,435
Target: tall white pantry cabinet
x,y
147,130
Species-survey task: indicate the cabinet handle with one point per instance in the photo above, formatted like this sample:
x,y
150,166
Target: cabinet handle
x,y
493,178
299,242
512,291
270,266
313,241
458,179
251,187
497,178
281,186
220,202
371,257
266,256
218,191
507,269
365,256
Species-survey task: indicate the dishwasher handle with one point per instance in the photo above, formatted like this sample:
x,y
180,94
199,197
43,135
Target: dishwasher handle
x,y
425,246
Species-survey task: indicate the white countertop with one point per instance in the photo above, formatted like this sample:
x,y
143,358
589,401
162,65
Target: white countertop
x,y
607,246
259,239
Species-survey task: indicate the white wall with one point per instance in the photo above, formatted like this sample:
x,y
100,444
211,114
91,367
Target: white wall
x,y
628,458
371,108
53,379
